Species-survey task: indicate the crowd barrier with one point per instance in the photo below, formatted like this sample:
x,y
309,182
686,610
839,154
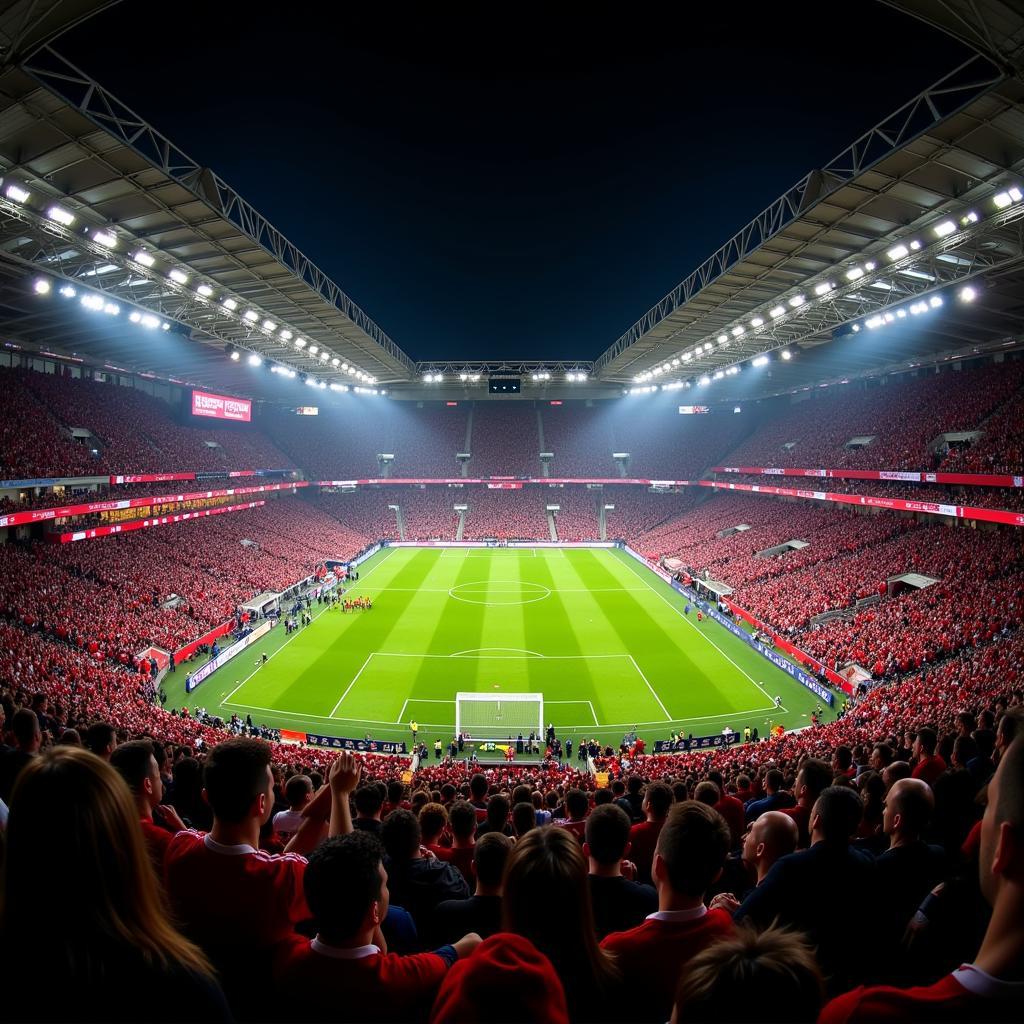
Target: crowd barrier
x,y
195,678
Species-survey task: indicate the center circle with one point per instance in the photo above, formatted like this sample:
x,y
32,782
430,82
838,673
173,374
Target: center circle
x,y
499,592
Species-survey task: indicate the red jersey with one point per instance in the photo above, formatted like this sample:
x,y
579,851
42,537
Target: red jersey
x,y
802,816
462,858
361,984
735,816
577,828
233,896
652,954
966,994
929,769
643,838
157,840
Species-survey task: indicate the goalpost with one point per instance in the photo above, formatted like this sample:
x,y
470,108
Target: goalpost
x,y
486,716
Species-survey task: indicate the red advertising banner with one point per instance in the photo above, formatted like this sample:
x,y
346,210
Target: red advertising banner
x,y
207,638
391,481
987,515
150,478
900,475
221,407
40,515
505,486
142,524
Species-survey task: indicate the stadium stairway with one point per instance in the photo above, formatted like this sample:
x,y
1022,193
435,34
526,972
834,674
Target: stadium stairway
x,y
551,525
465,463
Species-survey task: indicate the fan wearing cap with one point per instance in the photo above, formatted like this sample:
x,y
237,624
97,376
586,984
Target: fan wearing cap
x,y
506,979
347,963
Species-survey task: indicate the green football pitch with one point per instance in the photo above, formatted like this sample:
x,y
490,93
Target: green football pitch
x,y
600,636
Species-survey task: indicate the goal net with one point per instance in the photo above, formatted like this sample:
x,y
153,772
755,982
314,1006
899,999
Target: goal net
x,y
486,716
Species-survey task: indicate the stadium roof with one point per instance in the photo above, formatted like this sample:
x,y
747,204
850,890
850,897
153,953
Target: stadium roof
x,y
66,141
913,181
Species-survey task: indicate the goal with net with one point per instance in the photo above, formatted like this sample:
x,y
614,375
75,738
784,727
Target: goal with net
x,y
486,716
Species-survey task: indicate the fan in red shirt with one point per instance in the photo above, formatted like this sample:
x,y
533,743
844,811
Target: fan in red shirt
x,y
235,900
690,855
643,837
929,765
346,970
577,803
991,988
812,780
137,765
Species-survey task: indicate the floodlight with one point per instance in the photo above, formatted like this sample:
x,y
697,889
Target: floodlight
x,y
707,346
105,238
1002,200
935,301
19,195
286,335
719,374
797,301
897,252
856,328
166,326
823,288
111,308
776,312
205,290
335,361
969,218
236,355
68,292
324,356
144,258
705,380
135,317
723,338
313,349
41,286
61,216
760,361
854,273
968,294
737,331
230,304
870,265
300,342
269,325
915,245
150,321
756,322
251,315
179,276
255,360
786,354
901,314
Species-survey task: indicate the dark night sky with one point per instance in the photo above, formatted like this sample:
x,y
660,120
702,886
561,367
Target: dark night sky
x,y
506,181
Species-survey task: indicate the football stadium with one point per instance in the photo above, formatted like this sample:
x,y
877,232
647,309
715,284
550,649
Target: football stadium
x,y
575,574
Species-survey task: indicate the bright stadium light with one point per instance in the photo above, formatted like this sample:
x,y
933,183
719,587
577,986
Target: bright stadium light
x,y
1007,198
737,331
269,326
105,238
935,301
19,195
236,355
313,349
897,252
205,291
776,312
61,216
41,286
708,346
111,308
335,361
786,354
760,361
947,227
723,339
230,304
823,288
968,294
286,335
719,374
300,342
178,276
68,291
92,302
251,315
854,273
255,360
150,321
705,380
797,301
757,321
144,258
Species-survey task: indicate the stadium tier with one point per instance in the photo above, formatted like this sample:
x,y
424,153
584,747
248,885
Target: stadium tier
x,y
684,682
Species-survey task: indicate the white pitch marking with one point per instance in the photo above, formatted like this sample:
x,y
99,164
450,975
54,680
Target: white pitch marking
x,y
350,685
654,693
686,619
